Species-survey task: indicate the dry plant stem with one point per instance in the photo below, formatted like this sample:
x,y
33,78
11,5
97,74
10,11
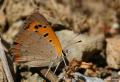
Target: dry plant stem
x,y
52,77
5,64
4,5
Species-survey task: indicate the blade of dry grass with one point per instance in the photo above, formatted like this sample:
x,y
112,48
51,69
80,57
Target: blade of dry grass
x,y
5,64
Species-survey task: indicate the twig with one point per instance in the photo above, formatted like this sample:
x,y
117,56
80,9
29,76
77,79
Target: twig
x,y
5,64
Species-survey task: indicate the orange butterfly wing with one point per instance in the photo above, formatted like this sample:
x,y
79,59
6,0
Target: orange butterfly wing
x,y
36,43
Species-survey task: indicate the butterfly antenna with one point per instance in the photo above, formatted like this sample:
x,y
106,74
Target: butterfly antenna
x,y
49,68
5,64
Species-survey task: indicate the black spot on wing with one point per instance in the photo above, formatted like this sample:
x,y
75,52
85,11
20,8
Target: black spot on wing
x,y
50,40
45,35
36,31
45,26
38,26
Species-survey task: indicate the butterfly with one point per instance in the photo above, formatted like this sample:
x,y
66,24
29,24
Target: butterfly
x,y
36,44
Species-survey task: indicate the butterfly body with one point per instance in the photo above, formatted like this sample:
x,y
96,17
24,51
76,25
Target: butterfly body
x,y
36,44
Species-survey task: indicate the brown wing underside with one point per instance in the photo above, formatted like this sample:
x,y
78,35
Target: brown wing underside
x,y
33,49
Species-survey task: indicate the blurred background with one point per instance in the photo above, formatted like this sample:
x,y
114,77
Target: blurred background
x,y
96,21
92,16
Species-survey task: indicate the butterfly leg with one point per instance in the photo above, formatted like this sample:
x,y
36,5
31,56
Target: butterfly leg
x,y
49,68
60,62
57,67
63,57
